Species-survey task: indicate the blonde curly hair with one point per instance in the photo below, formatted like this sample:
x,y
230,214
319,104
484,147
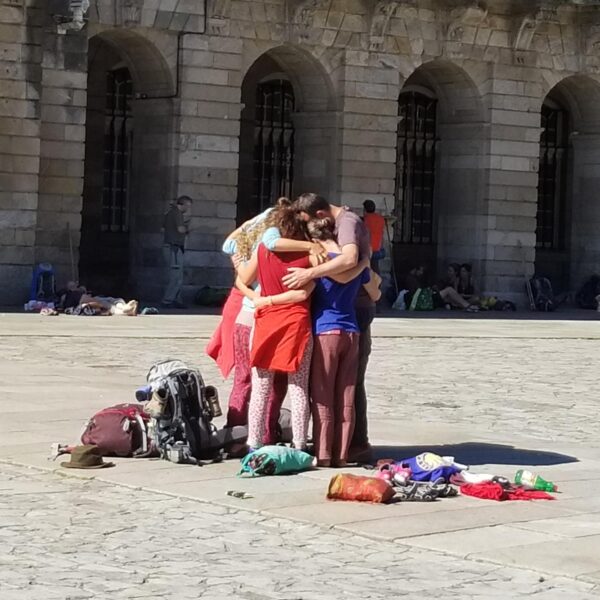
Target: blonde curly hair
x,y
249,237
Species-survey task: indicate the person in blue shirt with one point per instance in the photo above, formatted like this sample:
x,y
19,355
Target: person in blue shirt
x,y
335,355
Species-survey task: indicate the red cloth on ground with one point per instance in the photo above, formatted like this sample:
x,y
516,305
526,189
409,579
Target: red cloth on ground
x,y
220,346
491,490
281,332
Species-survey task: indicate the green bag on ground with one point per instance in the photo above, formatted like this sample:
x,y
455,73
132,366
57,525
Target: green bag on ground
x,y
276,460
422,299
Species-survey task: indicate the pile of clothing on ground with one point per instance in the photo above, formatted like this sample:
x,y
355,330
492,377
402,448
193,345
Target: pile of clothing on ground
x,y
429,477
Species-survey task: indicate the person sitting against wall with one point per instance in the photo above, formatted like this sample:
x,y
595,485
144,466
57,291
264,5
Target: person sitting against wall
x,y
417,280
449,292
465,286
444,294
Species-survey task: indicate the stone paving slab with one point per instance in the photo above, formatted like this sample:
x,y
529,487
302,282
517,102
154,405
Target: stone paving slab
x,y
571,558
473,541
497,395
67,538
177,326
472,517
573,526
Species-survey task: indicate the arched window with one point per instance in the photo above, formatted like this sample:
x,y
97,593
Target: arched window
x,y
550,231
117,150
415,168
273,142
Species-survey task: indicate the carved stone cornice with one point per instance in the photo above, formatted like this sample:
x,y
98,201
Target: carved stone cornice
x,y
545,12
380,19
474,15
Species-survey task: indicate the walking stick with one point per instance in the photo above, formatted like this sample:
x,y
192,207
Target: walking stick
x,y
389,218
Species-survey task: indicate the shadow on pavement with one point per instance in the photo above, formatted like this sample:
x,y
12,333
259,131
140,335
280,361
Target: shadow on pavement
x,y
478,453
567,314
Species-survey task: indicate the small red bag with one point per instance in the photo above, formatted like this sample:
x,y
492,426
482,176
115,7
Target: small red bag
x,y
118,430
360,489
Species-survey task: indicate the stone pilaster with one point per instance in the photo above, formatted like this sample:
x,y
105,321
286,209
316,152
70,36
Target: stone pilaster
x,y
20,52
514,97
62,151
207,151
367,132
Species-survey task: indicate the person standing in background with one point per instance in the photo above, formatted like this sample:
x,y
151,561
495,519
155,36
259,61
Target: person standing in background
x,y
176,227
376,225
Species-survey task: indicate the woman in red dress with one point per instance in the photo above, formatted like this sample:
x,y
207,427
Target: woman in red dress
x,y
282,338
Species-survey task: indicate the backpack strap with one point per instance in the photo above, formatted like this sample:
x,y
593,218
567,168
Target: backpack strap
x,y
144,431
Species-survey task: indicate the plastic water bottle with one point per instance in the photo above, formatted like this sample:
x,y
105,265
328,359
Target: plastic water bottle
x,y
532,481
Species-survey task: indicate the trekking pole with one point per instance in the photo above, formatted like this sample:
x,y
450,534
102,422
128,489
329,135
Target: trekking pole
x,y
71,252
389,239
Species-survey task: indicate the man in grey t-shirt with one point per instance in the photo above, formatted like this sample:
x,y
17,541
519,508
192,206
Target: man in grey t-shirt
x,y
353,238
176,228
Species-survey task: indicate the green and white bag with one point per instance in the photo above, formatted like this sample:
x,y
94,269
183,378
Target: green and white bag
x,y
422,300
276,460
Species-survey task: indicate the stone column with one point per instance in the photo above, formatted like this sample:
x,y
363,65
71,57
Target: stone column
x,y
62,153
367,136
460,179
207,151
509,222
585,208
368,130
20,35
153,184
315,167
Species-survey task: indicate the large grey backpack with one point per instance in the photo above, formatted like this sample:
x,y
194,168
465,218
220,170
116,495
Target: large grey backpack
x,y
182,409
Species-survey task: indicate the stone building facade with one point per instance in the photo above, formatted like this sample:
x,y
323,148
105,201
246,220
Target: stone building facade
x,y
477,123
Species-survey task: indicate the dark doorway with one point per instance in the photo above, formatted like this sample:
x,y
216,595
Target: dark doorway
x,y
273,143
415,229
105,229
552,256
266,143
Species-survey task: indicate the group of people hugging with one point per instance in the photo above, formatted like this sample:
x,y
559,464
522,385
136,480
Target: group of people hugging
x,y
298,321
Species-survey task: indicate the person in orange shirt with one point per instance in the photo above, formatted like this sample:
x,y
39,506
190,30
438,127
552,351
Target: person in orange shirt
x,y
376,225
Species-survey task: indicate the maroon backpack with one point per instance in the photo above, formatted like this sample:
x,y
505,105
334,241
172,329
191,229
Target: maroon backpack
x,y
119,430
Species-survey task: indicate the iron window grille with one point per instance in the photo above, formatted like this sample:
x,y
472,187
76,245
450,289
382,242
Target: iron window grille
x,y
273,142
415,168
550,230
117,150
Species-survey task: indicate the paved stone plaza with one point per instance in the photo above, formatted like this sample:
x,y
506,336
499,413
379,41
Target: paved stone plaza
x,y
498,395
